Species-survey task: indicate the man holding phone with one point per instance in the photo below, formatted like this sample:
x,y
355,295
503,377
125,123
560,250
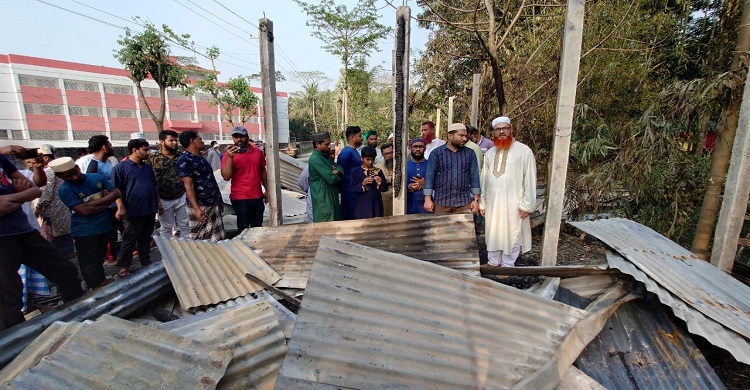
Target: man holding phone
x,y
245,166
416,166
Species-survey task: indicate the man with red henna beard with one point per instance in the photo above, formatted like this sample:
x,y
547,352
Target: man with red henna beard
x,y
428,134
508,195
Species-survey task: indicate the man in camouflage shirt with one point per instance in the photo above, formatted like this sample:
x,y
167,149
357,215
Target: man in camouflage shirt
x,y
172,211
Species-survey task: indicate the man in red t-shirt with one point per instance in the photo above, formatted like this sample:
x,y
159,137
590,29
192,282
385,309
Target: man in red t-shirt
x,y
245,166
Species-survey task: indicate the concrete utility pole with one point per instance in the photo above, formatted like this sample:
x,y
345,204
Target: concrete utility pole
x,y
566,99
474,99
450,114
437,122
401,109
736,189
270,120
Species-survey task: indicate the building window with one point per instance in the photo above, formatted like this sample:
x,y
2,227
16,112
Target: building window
x,y
38,81
84,111
79,85
181,116
175,94
120,113
118,89
208,117
150,92
5,134
203,97
46,109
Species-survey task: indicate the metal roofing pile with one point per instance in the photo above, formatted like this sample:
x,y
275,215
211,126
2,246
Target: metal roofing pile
x,y
205,273
117,354
447,240
290,171
373,319
714,304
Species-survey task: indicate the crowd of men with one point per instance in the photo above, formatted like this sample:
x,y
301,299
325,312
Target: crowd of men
x,y
87,203
468,173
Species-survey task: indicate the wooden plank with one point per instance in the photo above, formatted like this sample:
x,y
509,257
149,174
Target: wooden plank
x,y
566,98
560,272
736,189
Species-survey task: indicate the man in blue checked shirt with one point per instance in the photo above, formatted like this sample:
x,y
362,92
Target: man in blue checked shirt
x,y
452,178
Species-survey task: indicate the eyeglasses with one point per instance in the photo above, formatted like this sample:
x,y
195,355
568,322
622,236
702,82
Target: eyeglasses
x,y
504,128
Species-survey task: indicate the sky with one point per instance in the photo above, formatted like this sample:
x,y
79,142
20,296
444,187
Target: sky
x,y
43,29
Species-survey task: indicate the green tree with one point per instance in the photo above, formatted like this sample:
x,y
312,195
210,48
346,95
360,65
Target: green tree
x,y
311,83
235,94
148,54
348,34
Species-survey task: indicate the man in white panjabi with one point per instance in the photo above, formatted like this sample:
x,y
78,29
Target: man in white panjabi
x,y
508,195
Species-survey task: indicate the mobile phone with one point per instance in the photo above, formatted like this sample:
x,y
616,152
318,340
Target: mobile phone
x,y
418,176
243,149
31,153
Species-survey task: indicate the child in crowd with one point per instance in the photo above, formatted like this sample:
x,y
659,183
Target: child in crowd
x,y
368,182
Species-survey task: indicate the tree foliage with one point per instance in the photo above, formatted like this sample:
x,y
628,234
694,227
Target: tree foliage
x,y
147,54
234,95
348,34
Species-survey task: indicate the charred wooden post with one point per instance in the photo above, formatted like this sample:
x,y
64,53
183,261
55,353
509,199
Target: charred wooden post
x,y
401,109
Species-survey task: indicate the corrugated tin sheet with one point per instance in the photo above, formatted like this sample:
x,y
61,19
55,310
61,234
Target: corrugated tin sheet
x,y
641,348
447,240
372,319
47,342
697,323
290,171
698,283
118,354
120,298
251,330
205,273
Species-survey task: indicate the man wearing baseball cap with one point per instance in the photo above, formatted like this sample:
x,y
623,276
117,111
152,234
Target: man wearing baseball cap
x,y
245,166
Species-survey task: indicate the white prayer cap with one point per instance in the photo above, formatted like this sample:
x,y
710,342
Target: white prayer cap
x,y
46,149
137,136
500,119
62,164
390,136
456,126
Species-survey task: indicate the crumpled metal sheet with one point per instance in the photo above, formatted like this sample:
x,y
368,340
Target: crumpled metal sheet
x,y
290,171
696,282
697,323
447,240
373,319
253,332
641,348
116,354
120,298
47,342
205,273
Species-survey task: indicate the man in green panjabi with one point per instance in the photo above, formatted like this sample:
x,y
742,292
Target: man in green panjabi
x,y
325,177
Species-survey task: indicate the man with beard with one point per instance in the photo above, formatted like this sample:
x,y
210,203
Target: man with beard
x,y
245,166
325,178
304,183
416,167
137,183
387,167
101,160
508,195
348,159
428,135
371,139
54,215
205,205
452,178
169,187
88,196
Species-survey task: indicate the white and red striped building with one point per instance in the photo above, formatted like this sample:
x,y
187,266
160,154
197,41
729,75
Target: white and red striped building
x,y
65,103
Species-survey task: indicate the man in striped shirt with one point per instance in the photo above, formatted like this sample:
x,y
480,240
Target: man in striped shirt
x,y
452,177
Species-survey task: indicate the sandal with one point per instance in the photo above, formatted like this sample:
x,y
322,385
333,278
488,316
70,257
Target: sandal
x,y
123,272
